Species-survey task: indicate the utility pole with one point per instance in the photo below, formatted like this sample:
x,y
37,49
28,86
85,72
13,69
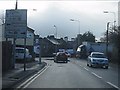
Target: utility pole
x,y
16,5
39,51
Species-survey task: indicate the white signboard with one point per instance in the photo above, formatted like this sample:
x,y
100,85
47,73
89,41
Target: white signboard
x,y
16,23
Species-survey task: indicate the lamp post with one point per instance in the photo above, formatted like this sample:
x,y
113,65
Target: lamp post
x,y
78,29
56,38
56,30
78,25
114,16
107,39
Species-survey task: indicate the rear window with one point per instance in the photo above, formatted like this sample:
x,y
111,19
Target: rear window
x,y
61,53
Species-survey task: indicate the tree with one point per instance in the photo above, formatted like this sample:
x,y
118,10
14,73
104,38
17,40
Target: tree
x,y
88,36
113,36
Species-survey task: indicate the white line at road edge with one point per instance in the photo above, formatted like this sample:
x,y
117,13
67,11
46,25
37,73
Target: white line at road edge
x,y
31,79
113,85
86,69
96,75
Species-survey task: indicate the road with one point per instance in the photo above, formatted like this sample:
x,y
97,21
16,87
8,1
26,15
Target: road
x,y
74,74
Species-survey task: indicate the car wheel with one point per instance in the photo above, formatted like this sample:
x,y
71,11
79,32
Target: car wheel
x,y
106,67
87,64
91,65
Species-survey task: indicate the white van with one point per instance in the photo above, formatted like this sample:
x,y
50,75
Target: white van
x,y
20,53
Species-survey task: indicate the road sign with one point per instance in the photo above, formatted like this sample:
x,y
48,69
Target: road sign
x,y
16,23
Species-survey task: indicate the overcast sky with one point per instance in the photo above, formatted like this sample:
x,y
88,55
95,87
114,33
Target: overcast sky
x,y
56,12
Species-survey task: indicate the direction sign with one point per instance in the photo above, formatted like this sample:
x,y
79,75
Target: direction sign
x,y
16,23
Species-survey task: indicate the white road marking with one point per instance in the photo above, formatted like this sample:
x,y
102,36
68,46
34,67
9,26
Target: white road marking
x,y
35,77
80,65
31,79
96,75
86,69
113,85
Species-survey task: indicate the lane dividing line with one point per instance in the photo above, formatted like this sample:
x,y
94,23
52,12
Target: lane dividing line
x,y
33,77
86,69
113,85
96,75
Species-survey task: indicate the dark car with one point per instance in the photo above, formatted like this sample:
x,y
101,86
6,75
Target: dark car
x,y
61,56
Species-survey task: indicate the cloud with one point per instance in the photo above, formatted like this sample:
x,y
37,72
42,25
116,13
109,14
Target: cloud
x,y
59,13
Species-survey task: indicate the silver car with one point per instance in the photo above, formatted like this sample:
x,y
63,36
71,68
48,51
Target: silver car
x,y
97,59
19,55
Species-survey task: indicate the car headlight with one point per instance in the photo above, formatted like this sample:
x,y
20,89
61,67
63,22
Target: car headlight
x,y
106,61
93,60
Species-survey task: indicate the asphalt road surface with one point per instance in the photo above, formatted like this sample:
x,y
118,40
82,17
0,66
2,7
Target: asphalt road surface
x,y
74,74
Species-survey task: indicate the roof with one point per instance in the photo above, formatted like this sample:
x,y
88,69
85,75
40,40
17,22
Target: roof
x,y
30,29
97,53
53,41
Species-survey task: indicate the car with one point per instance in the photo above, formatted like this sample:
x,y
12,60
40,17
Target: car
x,y
68,54
19,54
97,59
61,56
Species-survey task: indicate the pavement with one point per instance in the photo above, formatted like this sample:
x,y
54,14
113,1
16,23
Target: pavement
x,y
17,75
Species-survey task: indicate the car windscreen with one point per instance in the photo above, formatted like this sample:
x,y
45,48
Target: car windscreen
x,y
98,55
19,50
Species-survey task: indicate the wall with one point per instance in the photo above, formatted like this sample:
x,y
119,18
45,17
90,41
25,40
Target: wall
x,y
6,56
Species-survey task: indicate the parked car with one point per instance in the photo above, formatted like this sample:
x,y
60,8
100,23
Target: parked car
x,y
19,55
61,56
97,59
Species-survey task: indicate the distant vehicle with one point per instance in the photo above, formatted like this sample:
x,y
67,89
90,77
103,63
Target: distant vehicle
x,y
97,59
19,55
84,50
68,54
61,56
71,52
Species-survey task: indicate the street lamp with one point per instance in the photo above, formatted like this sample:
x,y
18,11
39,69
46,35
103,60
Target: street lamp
x,y
56,38
78,28
114,16
107,39
78,23
56,30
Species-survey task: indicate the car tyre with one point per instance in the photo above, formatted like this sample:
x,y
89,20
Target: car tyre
x,y
87,64
106,67
91,65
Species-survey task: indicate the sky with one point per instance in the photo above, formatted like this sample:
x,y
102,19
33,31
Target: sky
x,y
58,13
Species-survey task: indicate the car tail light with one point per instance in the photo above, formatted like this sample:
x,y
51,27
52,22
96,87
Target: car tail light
x,y
65,55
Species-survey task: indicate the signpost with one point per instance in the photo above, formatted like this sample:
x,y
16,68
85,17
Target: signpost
x,y
16,23
16,27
